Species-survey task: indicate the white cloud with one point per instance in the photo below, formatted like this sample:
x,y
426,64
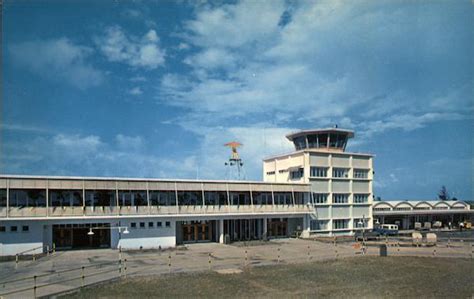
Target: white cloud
x,y
77,143
331,62
142,52
183,46
135,91
58,59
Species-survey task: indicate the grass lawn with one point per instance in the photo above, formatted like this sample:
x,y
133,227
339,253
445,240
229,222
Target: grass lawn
x,y
360,277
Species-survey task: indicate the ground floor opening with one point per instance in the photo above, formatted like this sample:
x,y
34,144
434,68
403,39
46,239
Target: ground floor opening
x,y
78,236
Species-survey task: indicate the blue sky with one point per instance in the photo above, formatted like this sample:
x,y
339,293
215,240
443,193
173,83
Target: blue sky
x,y
155,88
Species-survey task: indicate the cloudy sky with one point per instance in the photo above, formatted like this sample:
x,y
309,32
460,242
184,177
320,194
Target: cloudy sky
x,y
155,88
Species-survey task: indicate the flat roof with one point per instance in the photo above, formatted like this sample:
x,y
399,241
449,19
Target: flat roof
x,y
316,151
293,135
48,177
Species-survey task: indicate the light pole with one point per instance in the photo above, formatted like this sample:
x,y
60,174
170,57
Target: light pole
x,y
362,223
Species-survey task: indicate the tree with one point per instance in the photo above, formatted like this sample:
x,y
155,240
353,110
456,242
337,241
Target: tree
x,y
443,194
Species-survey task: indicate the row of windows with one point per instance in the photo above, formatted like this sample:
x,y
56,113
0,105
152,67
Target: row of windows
x,y
151,224
14,228
340,198
61,198
338,172
338,224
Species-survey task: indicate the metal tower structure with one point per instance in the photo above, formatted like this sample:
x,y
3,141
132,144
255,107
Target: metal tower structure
x,y
235,163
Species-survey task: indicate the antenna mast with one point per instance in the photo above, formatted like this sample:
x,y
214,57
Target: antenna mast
x,y
235,162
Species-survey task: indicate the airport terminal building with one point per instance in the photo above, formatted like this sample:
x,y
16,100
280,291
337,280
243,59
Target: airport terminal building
x,y
319,188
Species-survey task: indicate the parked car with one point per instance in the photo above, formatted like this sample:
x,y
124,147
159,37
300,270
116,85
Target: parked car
x,y
387,229
366,235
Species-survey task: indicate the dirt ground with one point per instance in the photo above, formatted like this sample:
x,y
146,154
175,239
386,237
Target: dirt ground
x,y
386,277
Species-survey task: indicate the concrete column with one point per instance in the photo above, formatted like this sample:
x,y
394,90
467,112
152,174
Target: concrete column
x,y
306,227
221,231
265,231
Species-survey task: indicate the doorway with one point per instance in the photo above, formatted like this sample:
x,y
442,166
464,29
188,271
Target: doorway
x,y
75,236
198,231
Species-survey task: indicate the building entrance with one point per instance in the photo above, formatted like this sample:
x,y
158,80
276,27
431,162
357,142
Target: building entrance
x,y
75,236
198,231
243,229
278,227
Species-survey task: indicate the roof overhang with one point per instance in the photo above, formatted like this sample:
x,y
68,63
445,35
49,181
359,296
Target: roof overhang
x,y
291,136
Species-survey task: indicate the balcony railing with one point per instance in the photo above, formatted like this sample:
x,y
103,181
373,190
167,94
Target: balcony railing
x,y
72,211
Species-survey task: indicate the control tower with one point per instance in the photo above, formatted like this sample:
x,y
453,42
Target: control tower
x,y
341,181
328,140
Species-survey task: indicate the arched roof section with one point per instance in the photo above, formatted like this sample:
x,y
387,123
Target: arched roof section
x,y
423,204
383,204
459,204
441,204
403,204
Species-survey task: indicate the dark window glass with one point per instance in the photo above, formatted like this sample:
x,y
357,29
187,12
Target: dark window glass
x,y
133,225
3,197
25,228
13,228
215,198
300,142
142,224
27,198
151,224
283,198
2,229
262,198
190,198
168,224
240,198
65,198
158,224
163,198
312,141
323,140
104,198
299,198
132,198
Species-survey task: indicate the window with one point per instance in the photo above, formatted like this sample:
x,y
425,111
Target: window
x,y
299,198
340,223
361,173
3,197
151,224
104,198
132,198
319,172
25,228
402,209
340,198
13,228
297,174
320,197
190,198
381,209
27,198
262,198
162,198
133,225
270,172
240,198
168,224
318,224
300,142
361,198
2,229
142,224
340,172
158,224
214,198
65,198
283,198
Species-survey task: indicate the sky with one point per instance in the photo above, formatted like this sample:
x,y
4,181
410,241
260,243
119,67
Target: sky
x,y
155,88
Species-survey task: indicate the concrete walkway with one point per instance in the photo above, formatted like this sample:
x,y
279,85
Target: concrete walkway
x,y
63,270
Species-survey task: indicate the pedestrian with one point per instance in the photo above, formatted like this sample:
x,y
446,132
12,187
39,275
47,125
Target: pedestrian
x,y
461,226
449,225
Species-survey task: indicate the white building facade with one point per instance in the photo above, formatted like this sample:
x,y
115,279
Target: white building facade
x,y
340,181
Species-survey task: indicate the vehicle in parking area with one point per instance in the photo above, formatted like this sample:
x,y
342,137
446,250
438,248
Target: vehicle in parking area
x,y
387,229
366,235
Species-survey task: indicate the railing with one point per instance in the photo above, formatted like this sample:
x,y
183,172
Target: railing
x,y
71,211
226,257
